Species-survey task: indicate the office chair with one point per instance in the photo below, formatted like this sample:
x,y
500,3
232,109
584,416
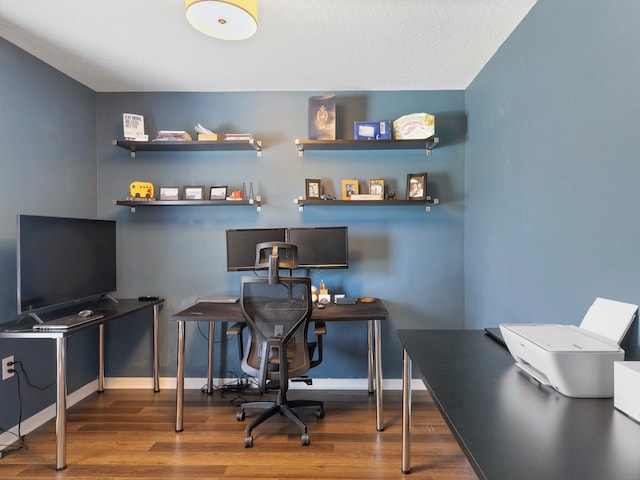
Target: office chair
x,y
277,311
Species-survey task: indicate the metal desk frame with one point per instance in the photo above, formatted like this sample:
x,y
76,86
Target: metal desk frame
x,y
111,312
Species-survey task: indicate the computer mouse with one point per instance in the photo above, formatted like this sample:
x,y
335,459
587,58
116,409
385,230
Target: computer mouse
x,y
85,313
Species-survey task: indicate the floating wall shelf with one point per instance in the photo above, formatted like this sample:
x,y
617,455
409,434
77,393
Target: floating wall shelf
x,y
194,146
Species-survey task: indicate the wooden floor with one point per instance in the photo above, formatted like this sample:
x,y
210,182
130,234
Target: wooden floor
x,y
130,434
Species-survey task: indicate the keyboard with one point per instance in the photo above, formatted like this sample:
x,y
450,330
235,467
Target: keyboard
x,y
61,324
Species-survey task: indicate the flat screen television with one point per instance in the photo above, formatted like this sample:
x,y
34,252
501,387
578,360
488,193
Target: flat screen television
x,y
63,261
321,247
241,245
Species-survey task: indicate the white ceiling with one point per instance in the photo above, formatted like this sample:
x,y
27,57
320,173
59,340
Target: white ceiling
x,y
323,45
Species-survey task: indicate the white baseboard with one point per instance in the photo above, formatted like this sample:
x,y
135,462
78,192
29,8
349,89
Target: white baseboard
x,y
43,416
318,383
169,383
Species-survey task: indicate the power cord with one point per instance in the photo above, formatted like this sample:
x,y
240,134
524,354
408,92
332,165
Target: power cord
x,y
21,438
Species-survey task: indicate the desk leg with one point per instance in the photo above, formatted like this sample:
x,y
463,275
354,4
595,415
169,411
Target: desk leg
x,y
101,358
370,350
61,404
406,413
212,334
180,377
156,373
378,361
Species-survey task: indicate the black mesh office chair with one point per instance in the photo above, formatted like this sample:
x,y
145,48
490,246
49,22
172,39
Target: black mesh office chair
x,y
277,311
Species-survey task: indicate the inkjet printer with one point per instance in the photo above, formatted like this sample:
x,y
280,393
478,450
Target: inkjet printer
x,y
576,361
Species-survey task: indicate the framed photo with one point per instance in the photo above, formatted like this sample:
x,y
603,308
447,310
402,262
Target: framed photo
x,y
417,186
169,193
194,192
313,187
376,187
218,193
349,187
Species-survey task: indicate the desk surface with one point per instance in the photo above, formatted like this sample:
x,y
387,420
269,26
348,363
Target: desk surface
x,y
511,427
104,306
206,311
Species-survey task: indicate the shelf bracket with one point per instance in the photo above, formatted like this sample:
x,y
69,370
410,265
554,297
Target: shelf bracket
x,y
432,144
300,148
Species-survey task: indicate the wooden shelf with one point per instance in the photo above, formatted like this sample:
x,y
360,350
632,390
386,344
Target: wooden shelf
x,y
195,146
369,203
427,144
188,203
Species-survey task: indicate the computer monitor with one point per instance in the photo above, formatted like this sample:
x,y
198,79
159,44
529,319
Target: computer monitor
x,y
63,261
241,245
321,247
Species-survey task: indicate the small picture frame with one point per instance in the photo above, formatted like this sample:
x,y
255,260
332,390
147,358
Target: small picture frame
x,y
376,187
349,187
193,192
169,193
416,186
218,193
313,188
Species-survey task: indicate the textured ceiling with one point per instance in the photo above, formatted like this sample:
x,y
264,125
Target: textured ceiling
x,y
326,45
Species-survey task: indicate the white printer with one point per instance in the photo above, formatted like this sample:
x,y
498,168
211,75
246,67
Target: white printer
x,y
576,361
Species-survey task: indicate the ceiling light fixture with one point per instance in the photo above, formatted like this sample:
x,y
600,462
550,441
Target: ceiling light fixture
x,y
227,20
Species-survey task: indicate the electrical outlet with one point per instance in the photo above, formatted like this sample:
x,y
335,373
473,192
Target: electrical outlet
x,y
5,367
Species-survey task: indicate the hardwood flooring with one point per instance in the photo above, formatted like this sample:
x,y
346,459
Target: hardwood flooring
x,y
130,435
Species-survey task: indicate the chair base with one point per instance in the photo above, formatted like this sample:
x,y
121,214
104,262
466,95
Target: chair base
x,y
280,406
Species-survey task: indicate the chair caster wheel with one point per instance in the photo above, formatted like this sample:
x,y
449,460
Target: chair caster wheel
x,y
240,416
320,413
248,441
306,441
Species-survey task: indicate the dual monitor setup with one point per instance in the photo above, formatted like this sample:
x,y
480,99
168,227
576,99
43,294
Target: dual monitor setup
x,y
318,247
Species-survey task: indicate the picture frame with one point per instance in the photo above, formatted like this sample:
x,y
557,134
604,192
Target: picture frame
x,y
193,192
376,187
349,187
169,193
417,186
313,188
218,193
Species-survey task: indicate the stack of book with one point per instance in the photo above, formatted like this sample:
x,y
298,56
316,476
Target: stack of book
x,y
238,136
172,136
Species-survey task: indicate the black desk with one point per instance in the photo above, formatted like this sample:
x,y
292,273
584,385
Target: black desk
x,y
111,311
224,312
509,426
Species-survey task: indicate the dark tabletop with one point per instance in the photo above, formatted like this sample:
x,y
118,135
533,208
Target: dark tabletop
x,y
509,426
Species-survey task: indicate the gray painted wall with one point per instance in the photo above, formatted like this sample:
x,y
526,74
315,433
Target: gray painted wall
x,y
552,167
48,167
411,259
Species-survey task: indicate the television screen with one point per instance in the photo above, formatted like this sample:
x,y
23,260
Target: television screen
x,y
321,247
241,245
64,260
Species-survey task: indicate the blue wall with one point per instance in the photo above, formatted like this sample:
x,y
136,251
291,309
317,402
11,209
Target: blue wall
x,y
552,167
48,165
411,259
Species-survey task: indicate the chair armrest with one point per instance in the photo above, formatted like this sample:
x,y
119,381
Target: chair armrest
x,y
235,330
319,328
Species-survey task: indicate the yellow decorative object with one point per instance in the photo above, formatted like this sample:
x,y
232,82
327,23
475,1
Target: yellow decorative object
x,y
141,190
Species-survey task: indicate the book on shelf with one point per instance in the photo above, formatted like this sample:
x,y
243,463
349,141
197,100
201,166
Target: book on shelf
x,y
367,196
173,136
238,136
133,126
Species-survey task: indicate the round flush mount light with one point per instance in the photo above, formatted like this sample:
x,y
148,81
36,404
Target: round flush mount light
x,y
227,20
